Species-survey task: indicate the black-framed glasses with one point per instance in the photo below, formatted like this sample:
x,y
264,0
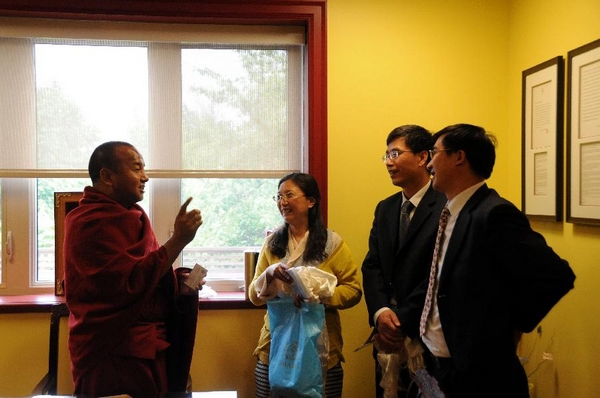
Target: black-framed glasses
x,y
393,154
433,151
287,197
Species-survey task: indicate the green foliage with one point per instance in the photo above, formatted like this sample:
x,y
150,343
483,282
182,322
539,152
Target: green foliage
x,y
235,212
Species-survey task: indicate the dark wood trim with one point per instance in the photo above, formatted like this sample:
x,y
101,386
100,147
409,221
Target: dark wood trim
x,y
308,13
31,303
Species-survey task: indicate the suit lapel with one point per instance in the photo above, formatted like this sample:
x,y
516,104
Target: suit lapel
x,y
392,226
461,227
422,213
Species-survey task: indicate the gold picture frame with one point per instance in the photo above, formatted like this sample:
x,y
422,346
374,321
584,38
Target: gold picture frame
x,y
64,202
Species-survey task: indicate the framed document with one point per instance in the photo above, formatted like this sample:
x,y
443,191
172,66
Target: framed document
x,y
542,136
583,135
64,202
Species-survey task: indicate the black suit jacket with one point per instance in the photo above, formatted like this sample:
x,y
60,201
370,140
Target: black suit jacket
x,y
498,276
391,270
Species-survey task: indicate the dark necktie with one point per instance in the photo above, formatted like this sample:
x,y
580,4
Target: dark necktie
x,y
433,272
405,210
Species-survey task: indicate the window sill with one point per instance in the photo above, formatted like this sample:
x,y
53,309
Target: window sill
x,y
44,303
29,303
227,301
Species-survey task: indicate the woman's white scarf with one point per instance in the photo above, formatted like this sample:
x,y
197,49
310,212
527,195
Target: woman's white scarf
x,y
310,282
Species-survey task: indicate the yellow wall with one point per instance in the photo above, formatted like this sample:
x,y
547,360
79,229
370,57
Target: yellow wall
x,y
541,30
24,352
393,62
222,356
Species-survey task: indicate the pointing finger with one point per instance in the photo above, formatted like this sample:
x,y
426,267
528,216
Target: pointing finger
x,y
184,206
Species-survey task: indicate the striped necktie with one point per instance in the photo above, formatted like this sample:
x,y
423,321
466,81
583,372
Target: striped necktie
x,y
433,272
405,210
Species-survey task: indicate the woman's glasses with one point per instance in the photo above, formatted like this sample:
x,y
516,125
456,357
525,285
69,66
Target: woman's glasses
x,y
287,197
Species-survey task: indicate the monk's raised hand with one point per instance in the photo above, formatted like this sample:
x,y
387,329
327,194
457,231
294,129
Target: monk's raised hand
x,y
187,222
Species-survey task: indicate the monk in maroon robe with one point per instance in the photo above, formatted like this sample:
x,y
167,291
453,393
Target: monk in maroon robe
x,y
132,321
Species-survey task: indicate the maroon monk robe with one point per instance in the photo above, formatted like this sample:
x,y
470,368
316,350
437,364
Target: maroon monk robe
x,y
120,300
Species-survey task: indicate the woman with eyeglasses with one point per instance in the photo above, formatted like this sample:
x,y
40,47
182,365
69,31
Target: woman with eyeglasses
x,y
303,240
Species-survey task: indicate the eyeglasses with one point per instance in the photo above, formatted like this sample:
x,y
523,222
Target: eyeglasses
x,y
394,153
287,197
433,151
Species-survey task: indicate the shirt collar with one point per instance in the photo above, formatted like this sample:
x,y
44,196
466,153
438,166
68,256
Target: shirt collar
x,y
459,201
416,198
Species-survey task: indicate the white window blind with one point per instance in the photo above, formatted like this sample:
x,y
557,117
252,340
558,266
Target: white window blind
x,y
208,104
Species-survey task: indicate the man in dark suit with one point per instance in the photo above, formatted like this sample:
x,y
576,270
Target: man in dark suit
x,y
395,265
495,277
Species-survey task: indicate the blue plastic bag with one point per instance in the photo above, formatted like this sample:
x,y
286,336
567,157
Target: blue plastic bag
x,y
294,364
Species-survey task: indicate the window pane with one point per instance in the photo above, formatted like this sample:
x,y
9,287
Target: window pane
x,y
236,109
88,95
236,214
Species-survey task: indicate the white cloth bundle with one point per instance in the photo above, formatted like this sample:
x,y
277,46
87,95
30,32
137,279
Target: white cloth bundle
x,y
312,284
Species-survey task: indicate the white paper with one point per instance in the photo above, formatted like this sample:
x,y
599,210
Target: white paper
x,y
196,276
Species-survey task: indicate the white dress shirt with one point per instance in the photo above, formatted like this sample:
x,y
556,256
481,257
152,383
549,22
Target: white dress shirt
x,y
434,335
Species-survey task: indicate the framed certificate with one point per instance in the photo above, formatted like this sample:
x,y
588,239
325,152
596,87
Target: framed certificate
x,y
583,135
542,140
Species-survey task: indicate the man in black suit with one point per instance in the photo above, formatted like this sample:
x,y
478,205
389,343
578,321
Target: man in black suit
x,y
495,278
395,265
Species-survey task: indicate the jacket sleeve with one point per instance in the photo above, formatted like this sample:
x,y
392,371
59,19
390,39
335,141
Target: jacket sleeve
x,y
265,259
376,290
341,264
537,276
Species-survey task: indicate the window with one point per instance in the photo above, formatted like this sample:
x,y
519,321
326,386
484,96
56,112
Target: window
x,y
225,149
